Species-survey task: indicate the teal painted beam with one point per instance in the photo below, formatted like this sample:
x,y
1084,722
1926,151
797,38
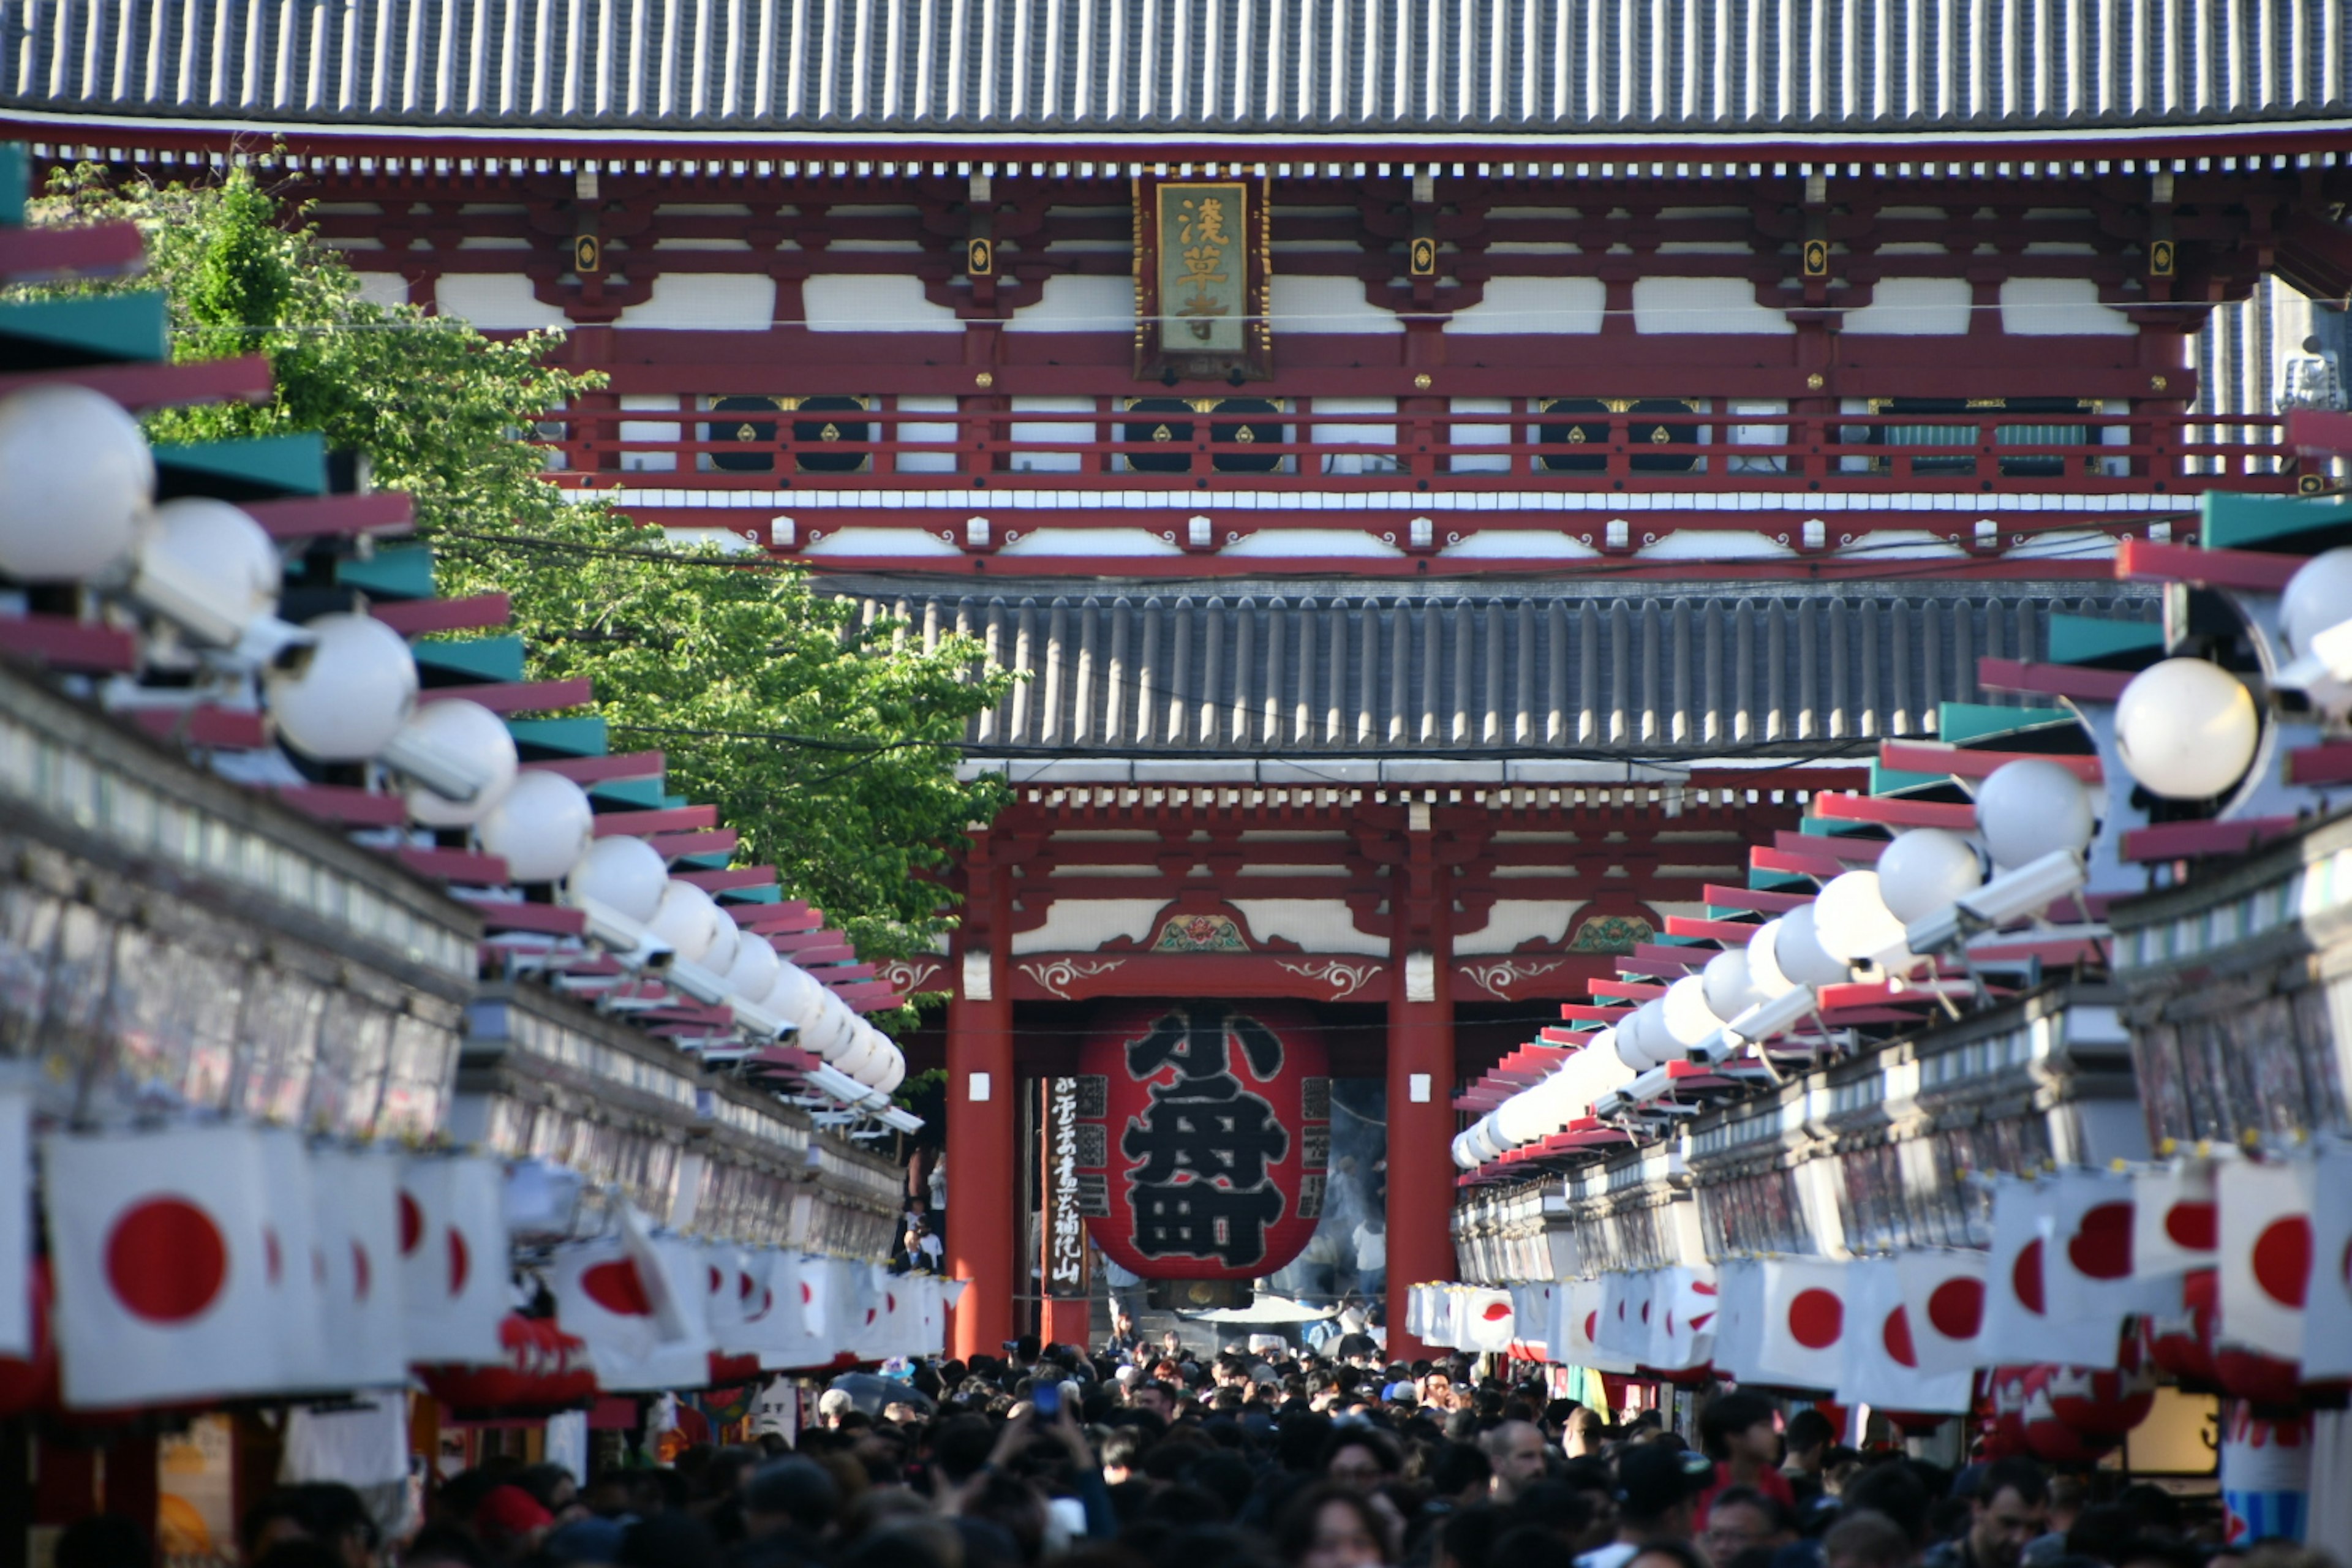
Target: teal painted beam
x,y
105,329
264,468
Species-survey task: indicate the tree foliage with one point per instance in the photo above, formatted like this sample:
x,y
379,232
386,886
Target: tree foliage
x,y
829,744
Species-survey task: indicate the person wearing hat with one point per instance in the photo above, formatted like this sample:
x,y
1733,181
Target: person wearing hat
x,y
1658,1488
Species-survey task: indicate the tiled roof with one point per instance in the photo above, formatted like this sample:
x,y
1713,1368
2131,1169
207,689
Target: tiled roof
x,y
1677,75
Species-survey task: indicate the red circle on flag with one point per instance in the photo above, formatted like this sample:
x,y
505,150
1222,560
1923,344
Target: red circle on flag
x,y
166,1260
1956,1307
2100,1248
718,1281
2282,1260
273,1257
411,1225
742,1287
461,1262
2191,1226
1495,1311
1591,1326
1897,1333
2026,1274
361,1272
1816,1319
615,1286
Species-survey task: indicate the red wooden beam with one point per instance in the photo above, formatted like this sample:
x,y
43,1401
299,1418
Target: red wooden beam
x,y
2330,764
791,916
2193,840
1585,1013
60,642
1632,989
669,819
1716,893
2053,680
717,841
1732,932
509,914
342,517
413,617
102,249
732,877
1937,757
1896,813
518,695
342,802
139,387
454,865
2146,561
1847,850
1766,858
230,729
598,770
2317,433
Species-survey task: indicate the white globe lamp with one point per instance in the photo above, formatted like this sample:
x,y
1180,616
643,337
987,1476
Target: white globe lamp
x,y
543,827
2030,807
719,956
688,920
893,1072
342,699
755,968
1802,958
1729,990
1687,1017
1764,971
1853,923
2317,597
794,996
1631,1040
2186,728
476,742
209,567
628,876
1925,870
76,477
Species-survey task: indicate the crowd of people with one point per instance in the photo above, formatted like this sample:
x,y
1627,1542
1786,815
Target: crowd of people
x,y
1161,1458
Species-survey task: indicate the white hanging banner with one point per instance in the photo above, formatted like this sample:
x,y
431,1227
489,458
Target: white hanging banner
x,y
297,1264
1739,1317
1684,1309
454,1269
355,1210
1487,1321
2174,1223
1624,1326
1944,1306
2327,1308
1883,1368
2266,1254
1808,1320
2088,1271
160,1254
17,1223
2020,1328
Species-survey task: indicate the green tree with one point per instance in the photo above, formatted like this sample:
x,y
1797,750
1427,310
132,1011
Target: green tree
x,y
830,746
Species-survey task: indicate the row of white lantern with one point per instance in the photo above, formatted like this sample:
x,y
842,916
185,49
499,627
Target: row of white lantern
x,y
344,688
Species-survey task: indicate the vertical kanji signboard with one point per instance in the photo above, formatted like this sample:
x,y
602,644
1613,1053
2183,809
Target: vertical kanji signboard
x,y
1204,1134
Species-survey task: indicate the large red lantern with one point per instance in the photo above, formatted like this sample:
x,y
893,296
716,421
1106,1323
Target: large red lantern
x,y
1204,1136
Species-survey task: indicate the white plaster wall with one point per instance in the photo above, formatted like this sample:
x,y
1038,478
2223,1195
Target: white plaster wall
x,y
651,431
857,302
942,430
383,287
1703,305
1043,433
1318,925
1913,306
1327,305
709,301
1378,439
495,301
1079,304
1511,307
1514,920
2060,307
1081,925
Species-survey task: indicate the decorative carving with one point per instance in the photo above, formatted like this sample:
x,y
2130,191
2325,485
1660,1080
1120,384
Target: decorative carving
x,y
1056,974
907,976
1613,933
1200,933
1500,976
1345,979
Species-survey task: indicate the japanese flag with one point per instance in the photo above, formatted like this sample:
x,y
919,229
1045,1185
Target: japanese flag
x,y
16,1224
1625,1328
602,1299
784,1340
2327,1309
870,1303
2088,1272
158,1248
1682,1317
931,1333
2173,1219
1487,1321
1739,1316
755,1300
453,1259
295,1264
1531,1315
1943,1303
2266,1254
1809,1320
724,1288
1416,1310
1882,1367
355,1214
2020,1328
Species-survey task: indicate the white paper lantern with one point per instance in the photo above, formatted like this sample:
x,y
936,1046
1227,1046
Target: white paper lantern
x,y
755,968
1851,921
541,827
688,919
794,994
1687,1017
2030,807
1764,971
76,477
1724,980
1800,955
478,742
2187,730
628,876
2317,597
1630,1040
893,1072
719,956
218,552
1925,870
345,697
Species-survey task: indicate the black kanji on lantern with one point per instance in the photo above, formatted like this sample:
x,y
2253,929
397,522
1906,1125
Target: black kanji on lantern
x,y
1204,1143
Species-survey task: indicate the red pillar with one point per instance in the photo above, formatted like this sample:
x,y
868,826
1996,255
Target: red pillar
x,y
980,1158
1421,1087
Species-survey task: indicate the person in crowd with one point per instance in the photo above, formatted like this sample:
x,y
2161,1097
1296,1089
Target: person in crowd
x,y
2009,1508
512,1524
324,1512
1864,1540
1360,1456
1332,1526
1657,1495
1741,1433
1124,1341
103,1541
1741,1520
1518,1453
788,1509
1896,1489
1807,1442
